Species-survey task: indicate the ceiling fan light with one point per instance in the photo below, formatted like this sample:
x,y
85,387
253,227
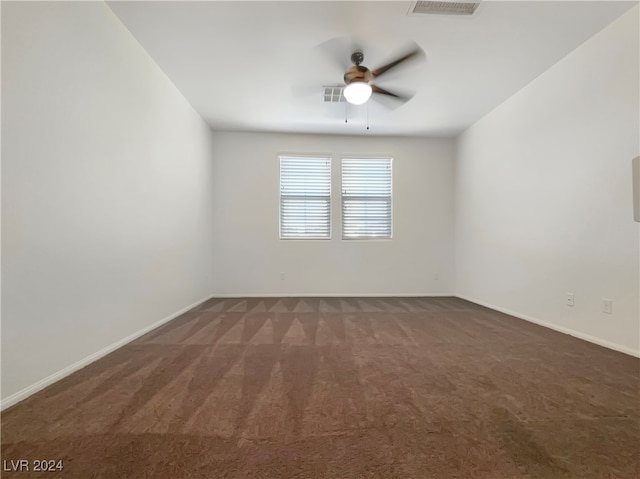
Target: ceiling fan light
x,y
357,93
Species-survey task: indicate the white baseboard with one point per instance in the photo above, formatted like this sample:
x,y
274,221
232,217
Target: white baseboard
x,y
57,376
330,295
555,327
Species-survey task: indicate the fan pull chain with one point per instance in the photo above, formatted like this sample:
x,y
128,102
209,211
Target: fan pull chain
x,y
346,104
367,115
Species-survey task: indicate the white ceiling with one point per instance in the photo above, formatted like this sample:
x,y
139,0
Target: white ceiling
x,y
243,65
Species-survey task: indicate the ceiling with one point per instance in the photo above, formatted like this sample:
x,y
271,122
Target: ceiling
x,y
256,66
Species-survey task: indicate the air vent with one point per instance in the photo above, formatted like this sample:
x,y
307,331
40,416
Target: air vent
x,y
333,93
444,8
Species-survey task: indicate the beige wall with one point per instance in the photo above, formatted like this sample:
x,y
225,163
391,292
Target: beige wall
x,y
249,256
106,191
544,195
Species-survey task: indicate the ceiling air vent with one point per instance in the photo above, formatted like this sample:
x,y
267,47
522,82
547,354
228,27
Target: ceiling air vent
x,y
333,93
444,8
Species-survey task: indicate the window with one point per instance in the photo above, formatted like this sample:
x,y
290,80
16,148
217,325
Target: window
x,y
366,198
305,198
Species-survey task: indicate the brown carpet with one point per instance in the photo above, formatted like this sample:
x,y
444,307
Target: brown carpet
x,y
424,388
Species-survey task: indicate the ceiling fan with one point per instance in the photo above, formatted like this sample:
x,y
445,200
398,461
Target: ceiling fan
x,y
360,80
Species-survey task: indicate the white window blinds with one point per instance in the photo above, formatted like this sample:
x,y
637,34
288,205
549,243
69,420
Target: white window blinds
x,y
305,197
366,198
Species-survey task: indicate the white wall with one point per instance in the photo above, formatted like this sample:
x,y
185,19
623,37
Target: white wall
x,y
544,197
249,256
107,180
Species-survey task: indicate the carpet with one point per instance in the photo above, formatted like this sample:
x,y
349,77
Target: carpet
x,y
337,388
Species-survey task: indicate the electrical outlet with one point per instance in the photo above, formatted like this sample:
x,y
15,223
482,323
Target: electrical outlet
x,y
607,306
282,276
570,299
436,277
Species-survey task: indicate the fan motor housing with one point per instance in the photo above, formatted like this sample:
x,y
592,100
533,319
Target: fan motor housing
x,y
357,73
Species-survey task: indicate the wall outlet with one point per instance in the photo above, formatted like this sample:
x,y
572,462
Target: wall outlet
x,y
607,306
282,276
436,277
570,299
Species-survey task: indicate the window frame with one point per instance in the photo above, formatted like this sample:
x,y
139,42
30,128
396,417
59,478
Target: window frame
x,y
320,156
390,158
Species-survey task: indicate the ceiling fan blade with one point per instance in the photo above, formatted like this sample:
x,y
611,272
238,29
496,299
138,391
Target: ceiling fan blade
x,y
400,97
414,54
